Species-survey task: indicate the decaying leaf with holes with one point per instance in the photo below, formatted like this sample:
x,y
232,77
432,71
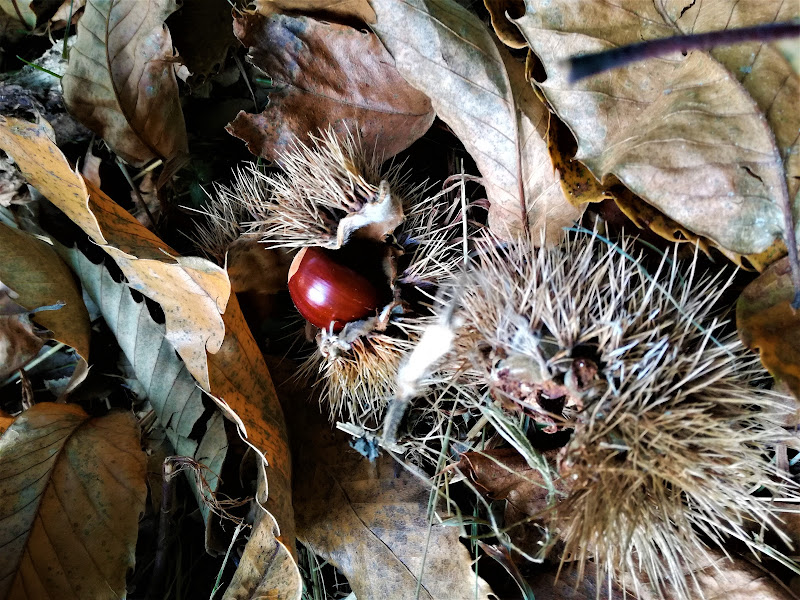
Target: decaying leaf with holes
x,y
120,81
166,382
710,139
305,59
72,491
192,293
480,91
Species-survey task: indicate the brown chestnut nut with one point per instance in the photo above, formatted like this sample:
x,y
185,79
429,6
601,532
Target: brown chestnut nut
x,y
326,291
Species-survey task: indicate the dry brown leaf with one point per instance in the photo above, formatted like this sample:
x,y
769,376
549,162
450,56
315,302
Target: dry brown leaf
x,y
193,292
725,578
202,31
29,12
193,427
18,340
72,490
5,421
768,323
370,521
306,59
695,136
67,8
502,12
577,182
120,81
480,91
360,9
504,474
40,278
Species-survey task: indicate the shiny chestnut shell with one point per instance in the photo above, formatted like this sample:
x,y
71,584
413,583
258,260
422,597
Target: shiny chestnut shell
x,y
326,291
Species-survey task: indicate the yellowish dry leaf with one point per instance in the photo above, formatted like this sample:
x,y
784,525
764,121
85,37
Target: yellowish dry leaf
x,y
694,136
192,291
40,278
120,81
768,323
72,490
480,91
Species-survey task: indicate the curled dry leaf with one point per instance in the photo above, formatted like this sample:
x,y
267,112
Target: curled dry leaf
x,y
34,271
480,91
165,380
193,292
120,82
701,137
370,520
72,490
768,323
306,59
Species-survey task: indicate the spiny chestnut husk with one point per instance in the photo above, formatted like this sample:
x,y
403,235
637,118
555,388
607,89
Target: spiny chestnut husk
x,y
668,420
372,251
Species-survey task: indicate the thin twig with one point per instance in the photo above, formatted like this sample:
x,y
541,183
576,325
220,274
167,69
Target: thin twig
x,y
136,191
592,64
164,521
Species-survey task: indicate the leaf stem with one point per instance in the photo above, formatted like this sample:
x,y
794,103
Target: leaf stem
x,y
586,65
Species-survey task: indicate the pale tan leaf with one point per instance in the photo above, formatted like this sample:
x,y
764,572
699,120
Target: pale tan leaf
x,y
72,490
695,136
193,292
121,82
165,380
479,90
306,59
725,578
370,520
40,278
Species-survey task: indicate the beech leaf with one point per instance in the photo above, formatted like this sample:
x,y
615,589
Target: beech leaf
x,y
480,91
703,137
371,521
35,272
72,490
193,292
120,81
305,59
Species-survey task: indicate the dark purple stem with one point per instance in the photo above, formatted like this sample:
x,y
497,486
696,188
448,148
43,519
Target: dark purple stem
x,y
592,64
